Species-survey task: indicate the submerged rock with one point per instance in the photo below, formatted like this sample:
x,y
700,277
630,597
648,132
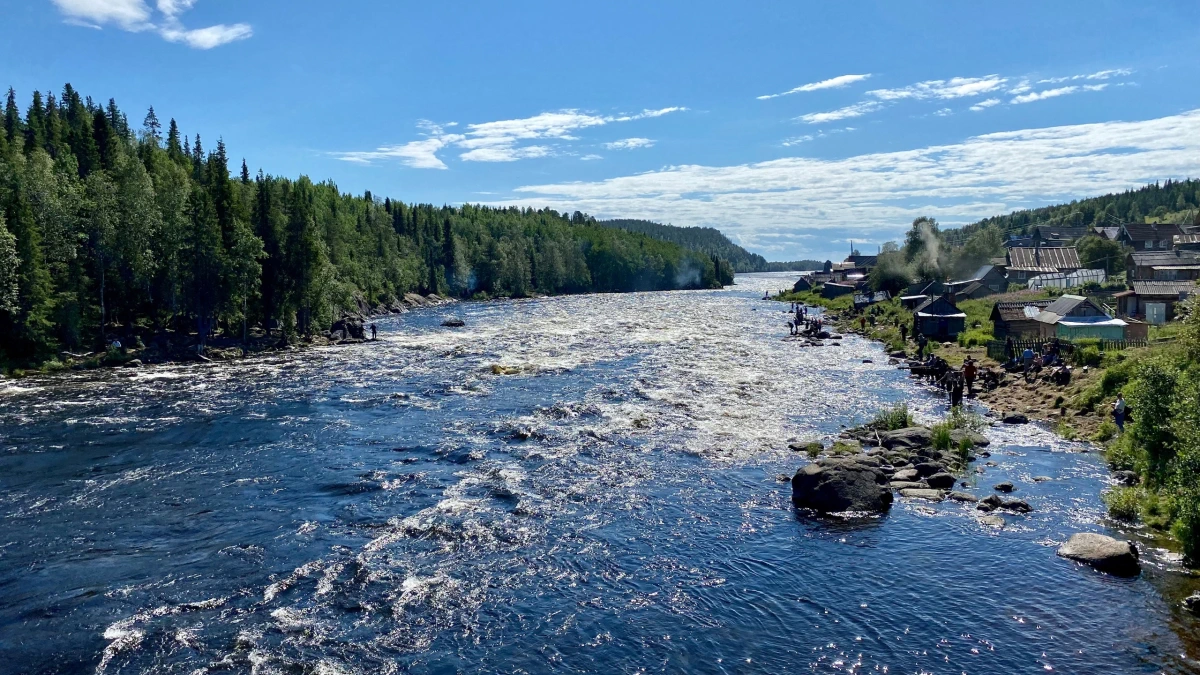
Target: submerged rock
x,y
1102,552
1015,418
454,323
963,497
991,521
836,485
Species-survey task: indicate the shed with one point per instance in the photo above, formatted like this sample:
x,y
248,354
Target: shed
x,y
1154,301
1046,235
986,280
833,290
1073,317
1017,319
1161,265
939,319
803,284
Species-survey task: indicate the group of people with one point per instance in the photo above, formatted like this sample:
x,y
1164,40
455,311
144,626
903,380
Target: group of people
x,y
1031,363
803,323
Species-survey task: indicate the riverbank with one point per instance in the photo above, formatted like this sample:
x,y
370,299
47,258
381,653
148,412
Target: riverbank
x,y
134,348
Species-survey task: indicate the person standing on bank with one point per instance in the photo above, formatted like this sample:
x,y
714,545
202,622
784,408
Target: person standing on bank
x,y
1119,409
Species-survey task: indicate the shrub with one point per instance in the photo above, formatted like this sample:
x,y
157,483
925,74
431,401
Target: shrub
x,y
1123,503
1065,430
1088,356
960,418
890,419
941,437
843,447
976,337
1106,432
1121,455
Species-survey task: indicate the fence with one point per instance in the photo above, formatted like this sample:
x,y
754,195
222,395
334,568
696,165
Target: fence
x,y
996,348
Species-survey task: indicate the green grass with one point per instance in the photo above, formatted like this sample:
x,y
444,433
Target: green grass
x,y
1124,503
895,417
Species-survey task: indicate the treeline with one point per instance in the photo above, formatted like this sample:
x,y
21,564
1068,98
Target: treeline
x,y
712,242
105,231
1155,201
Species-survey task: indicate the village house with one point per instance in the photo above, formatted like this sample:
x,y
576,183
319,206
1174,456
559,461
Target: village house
x,y
1149,236
1187,242
987,280
1017,319
1072,317
919,292
1153,301
1109,233
833,289
804,283
1045,235
1025,263
939,319
1162,266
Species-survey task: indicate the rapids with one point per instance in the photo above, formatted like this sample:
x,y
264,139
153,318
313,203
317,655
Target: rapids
x,y
612,504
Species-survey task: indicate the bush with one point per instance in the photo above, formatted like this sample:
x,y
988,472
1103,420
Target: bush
x,y
890,419
1123,503
1121,455
976,337
1106,432
960,418
941,437
843,447
1088,356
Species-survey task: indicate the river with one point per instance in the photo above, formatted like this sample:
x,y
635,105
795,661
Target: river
x,y
608,501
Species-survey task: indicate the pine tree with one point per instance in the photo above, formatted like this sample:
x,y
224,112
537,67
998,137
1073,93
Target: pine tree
x,y
10,266
152,127
12,118
35,124
245,172
174,150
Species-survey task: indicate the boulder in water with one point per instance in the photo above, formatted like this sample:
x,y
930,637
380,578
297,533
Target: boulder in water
x,y
1192,603
1006,486
963,497
909,437
1015,418
454,323
350,326
941,480
929,495
1102,552
1127,478
837,485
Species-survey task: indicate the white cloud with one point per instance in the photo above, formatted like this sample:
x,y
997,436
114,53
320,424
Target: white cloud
x,y
856,110
832,83
797,140
944,112
1053,93
876,195
630,144
983,105
590,158
503,140
956,87
136,16
1099,75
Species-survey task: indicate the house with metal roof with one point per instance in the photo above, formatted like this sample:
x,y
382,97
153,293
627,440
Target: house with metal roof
x,y
1017,319
1149,236
986,280
1072,317
939,319
1109,233
1155,302
1024,263
1187,242
1162,265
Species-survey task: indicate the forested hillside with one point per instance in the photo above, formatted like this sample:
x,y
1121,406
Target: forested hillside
x,y
712,242
1171,200
105,229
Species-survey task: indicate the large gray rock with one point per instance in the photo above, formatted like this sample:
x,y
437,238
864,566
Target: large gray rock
x,y
836,485
906,475
908,485
1006,486
350,326
909,437
1192,603
977,440
1127,478
941,481
1104,553
929,468
963,497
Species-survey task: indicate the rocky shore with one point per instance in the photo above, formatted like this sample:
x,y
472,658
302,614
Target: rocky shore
x,y
139,350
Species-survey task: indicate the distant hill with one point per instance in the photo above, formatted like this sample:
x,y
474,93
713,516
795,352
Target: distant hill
x,y
1171,201
710,241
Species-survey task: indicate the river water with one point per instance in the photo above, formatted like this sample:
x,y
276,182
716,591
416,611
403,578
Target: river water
x,y
609,501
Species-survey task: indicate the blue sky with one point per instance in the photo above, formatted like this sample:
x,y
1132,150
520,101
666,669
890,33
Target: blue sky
x,y
794,127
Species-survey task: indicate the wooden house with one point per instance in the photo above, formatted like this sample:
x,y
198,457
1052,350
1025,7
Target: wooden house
x,y
987,280
803,284
1072,317
833,290
1046,235
1017,319
1149,236
1174,265
939,319
1154,301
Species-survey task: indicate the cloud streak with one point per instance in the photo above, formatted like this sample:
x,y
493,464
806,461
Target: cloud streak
x,y
832,83
135,16
956,87
504,140
850,111
875,195
1054,93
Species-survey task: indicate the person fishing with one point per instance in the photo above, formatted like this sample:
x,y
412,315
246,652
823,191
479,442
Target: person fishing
x,y
1118,410
374,332
970,371
903,332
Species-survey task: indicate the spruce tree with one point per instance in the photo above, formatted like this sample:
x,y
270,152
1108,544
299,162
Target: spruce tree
x,y
152,127
12,118
174,150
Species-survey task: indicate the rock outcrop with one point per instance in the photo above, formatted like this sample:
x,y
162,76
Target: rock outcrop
x,y
1103,553
838,485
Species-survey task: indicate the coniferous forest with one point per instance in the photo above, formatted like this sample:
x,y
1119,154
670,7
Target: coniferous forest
x,y
110,231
